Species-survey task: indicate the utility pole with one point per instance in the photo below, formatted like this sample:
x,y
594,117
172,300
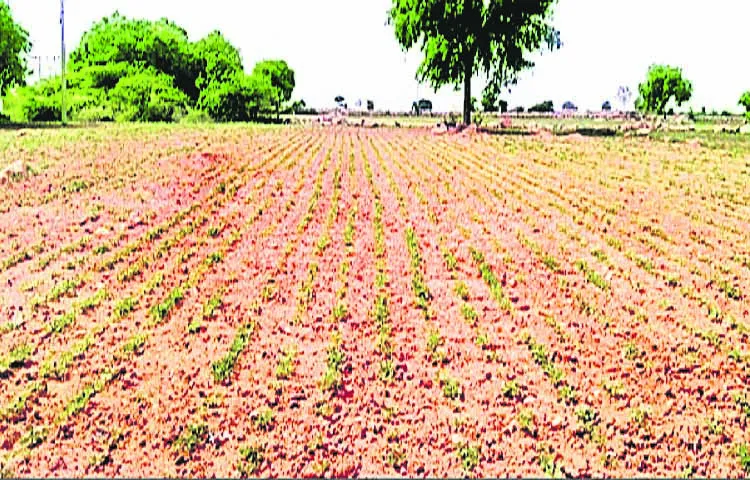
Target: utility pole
x,y
62,50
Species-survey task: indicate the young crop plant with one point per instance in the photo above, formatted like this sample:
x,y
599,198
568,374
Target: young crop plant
x,y
435,348
331,380
387,371
451,387
527,421
264,419
468,455
223,368
491,280
16,358
159,312
469,314
251,458
285,365
462,290
191,437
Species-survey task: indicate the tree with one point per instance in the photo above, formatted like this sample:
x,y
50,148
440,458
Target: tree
x,y
281,79
466,37
370,105
745,102
147,96
606,106
624,95
216,60
14,43
238,99
162,45
570,106
544,107
663,83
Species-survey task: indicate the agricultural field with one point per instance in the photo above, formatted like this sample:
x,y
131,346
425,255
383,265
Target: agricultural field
x,y
305,301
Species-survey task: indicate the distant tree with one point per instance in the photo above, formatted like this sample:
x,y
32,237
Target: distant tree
x,y
370,105
281,79
466,37
216,60
298,106
663,83
161,45
503,104
745,102
569,106
147,96
420,106
519,109
544,107
14,43
624,95
606,106
238,99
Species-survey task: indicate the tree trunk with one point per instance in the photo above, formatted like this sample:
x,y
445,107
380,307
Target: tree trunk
x,y
468,67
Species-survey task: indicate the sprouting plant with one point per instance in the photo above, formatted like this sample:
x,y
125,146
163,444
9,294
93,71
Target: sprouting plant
x,y
134,343
639,415
264,419
614,388
743,455
469,456
469,313
462,290
451,387
387,371
340,311
251,458
285,366
191,437
568,394
526,420
510,389
587,418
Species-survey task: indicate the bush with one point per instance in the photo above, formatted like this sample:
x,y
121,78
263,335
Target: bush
x,y
147,96
238,99
194,115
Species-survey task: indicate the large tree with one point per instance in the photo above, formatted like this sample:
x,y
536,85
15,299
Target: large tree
x,y
281,78
461,38
663,83
14,43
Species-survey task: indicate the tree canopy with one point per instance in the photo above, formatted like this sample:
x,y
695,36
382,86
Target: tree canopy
x,y
141,70
663,83
745,102
462,38
280,77
14,43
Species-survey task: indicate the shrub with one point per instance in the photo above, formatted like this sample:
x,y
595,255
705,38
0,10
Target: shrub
x,y
147,96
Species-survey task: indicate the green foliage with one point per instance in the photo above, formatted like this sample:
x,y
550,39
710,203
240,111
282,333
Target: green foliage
x,y
223,368
14,44
462,38
544,107
281,79
662,84
141,70
745,102
239,98
147,96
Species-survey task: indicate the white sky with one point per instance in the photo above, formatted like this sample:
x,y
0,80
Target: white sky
x,y
345,47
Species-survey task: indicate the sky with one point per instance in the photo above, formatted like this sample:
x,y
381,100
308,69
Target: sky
x,y
345,47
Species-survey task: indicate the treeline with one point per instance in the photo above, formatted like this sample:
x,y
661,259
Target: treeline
x,y
139,70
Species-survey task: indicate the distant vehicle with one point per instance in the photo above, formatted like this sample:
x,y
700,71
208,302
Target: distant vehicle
x,y
421,106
